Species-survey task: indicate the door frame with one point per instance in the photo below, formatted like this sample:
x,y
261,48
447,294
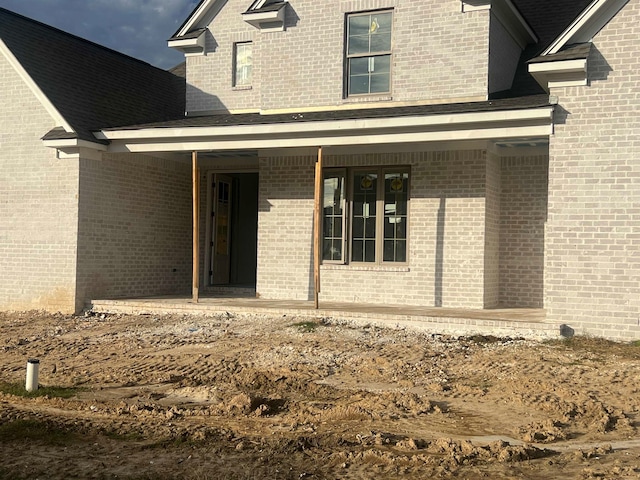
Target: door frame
x,y
210,176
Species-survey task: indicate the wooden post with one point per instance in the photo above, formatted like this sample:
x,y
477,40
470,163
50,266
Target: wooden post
x,y
196,226
317,224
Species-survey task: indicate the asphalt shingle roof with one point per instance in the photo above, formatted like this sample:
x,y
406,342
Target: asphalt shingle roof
x,y
91,86
570,52
97,88
229,119
548,19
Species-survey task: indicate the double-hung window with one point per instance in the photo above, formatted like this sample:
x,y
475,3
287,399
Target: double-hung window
x,y
366,222
242,64
368,53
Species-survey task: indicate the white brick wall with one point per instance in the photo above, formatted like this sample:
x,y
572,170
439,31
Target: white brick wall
x,y
38,205
447,233
522,220
592,266
134,227
134,223
438,53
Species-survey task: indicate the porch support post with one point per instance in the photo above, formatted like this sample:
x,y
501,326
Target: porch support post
x,y
317,223
195,181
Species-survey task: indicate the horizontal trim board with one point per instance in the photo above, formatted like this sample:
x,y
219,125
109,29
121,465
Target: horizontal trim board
x,y
315,127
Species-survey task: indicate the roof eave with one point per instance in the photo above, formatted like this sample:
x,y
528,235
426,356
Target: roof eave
x,y
564,73
587,24
266,21
502,124
189,46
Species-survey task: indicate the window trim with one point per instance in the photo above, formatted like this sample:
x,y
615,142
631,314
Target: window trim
x,y
234,81
380,53
345,215
347,220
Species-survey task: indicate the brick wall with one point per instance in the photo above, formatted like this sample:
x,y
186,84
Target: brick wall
x,y
285,228
438,53
446,244
523,216
134,227
593,231
38,206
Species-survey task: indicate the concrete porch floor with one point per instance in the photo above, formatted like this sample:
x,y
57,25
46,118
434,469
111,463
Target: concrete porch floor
x,y
513,322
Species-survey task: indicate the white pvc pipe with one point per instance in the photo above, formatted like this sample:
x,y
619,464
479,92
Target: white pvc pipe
x,y
33,367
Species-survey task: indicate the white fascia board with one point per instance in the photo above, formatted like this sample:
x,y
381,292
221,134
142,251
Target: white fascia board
x,y
314,127
189,46
475,5
266,21
78,153
197,16
563,66
67,143
588,23
208,144
35,89
565,73
184,42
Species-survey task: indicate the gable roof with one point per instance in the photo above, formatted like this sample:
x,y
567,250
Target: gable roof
x,y
548,19
90,86
591,20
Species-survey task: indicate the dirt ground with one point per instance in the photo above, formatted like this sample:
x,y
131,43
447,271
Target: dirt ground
x,y
256,397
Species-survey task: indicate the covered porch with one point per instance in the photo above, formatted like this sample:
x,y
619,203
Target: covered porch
x,y
457,192
395,206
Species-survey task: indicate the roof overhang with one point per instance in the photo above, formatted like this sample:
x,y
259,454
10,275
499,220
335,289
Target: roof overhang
x,y
587,25
71,148
503,124
199,18
565,73
267,20
35,88
192,44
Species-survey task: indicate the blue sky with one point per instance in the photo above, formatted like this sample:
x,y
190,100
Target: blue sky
x,y
139,28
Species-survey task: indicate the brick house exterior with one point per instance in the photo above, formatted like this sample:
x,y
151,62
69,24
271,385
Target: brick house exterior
x,y
475,154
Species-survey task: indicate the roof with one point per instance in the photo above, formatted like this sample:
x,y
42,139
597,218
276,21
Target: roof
x,y
265,6
548,19
91,86
531,101
570,52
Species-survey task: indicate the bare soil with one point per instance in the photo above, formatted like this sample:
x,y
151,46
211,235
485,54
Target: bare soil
x,y
256,397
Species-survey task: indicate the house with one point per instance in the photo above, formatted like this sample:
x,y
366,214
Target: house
x,y
74,219
441,153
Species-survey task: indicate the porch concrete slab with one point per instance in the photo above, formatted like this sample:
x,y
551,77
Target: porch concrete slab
x,y
513,322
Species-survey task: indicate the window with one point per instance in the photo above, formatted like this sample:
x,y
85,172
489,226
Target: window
x,y
368,51
371,223
333,213
242,64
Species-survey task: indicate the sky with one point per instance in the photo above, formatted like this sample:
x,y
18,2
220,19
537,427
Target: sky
x,y
139,28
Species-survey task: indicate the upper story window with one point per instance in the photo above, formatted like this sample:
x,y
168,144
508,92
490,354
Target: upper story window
x,y
242,64
368,52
